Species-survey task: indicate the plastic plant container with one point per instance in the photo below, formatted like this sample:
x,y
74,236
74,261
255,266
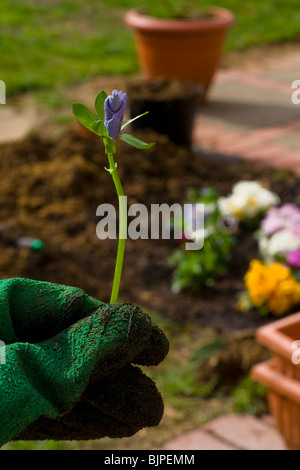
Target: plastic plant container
x,y
279,337
182,49
284,400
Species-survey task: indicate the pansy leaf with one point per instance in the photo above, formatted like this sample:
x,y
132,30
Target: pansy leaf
x,y
129,121
134,142
99,104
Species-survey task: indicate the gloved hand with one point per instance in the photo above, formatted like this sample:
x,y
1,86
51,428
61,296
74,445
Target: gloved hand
x,y
68,371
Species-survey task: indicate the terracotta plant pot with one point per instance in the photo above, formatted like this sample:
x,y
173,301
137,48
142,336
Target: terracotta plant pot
x,y
284,401
279,337
183,49
171,107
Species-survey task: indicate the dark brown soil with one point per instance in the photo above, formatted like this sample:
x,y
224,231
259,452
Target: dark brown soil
x,y
50,190
238,353
160,90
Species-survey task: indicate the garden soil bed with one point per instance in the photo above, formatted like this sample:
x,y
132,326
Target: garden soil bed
x,y
51,189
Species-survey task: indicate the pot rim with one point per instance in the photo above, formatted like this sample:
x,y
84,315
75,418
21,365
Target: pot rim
x,y
275,335
267,374
223,19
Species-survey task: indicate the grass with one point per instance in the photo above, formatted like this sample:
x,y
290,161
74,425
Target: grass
x,y
55,43
51,44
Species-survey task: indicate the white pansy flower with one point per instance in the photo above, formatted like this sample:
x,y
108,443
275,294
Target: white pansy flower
x,y
247,200
280,243
246,187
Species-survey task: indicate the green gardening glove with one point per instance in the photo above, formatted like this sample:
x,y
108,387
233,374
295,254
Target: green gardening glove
x,y
68,369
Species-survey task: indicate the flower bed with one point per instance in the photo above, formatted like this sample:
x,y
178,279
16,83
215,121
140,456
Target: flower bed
x,y
51,191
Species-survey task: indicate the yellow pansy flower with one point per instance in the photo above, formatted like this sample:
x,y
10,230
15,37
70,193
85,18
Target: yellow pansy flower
x,y
272,285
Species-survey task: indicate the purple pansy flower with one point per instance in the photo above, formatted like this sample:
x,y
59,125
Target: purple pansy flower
x,y
114,108
280,218
293,258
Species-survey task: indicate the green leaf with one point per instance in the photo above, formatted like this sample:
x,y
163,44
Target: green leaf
x,y
99,104
137,143
129,121
99,128
84,115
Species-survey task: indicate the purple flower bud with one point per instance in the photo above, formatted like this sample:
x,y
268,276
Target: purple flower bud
x,y
293,258
114,108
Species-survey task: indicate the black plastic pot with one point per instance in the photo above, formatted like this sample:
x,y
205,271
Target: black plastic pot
x,y
171,105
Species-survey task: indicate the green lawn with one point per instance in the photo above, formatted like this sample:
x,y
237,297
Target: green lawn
x,y
54,43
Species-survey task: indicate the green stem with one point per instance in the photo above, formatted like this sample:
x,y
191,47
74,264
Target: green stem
x,y
122,231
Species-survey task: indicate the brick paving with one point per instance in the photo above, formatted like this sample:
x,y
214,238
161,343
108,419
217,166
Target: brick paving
x,y
250,114
232,432
16,124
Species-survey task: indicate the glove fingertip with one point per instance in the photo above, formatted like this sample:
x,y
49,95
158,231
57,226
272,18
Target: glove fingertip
x,y
156,350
